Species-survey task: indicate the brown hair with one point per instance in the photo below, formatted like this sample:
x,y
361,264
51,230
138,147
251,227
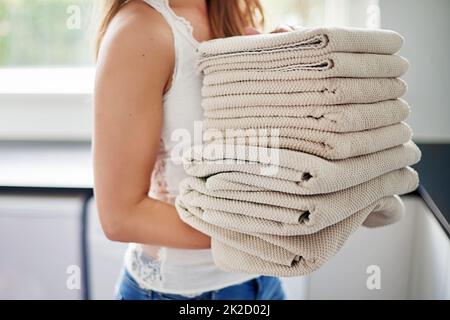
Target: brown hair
x,y
227,18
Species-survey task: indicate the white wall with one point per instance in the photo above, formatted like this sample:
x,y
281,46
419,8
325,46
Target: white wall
x,y
426,27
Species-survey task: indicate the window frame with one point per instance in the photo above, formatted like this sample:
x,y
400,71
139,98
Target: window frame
x,y
46,104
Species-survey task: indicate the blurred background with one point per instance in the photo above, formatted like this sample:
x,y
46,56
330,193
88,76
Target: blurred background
x,y
51,244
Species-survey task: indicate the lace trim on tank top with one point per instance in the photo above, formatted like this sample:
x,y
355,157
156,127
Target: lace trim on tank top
x,y
143,266
158,186
184,25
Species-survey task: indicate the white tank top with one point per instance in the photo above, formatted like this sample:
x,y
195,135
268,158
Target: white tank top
x,y
178,271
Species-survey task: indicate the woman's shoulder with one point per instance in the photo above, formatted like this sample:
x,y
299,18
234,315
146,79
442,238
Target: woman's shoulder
x,y
138,28
137,40
138,15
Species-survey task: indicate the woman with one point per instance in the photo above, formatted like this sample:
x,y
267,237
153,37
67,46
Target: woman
x,y
146,90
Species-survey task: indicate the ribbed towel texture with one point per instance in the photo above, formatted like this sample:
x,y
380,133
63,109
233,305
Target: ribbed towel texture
x,y
329,145
337,118
305,254
284,255
304,142
268,66
302,92
289,171
272,212
306,42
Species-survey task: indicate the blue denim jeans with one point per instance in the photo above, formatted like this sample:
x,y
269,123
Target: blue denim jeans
x,y
261,288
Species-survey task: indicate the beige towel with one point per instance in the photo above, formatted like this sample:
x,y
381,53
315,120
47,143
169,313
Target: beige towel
x,y
290,171
286,214
307,42
338,118
282,255
230,259
273,66
328,145
301,92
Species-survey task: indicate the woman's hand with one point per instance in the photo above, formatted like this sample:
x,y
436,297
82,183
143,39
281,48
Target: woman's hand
x,y
250,31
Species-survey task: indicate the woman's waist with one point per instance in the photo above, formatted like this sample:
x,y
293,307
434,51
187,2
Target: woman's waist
x,y
177,257
145,259
181,271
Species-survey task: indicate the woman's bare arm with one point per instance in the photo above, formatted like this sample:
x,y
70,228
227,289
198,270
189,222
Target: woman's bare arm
x,y
134,67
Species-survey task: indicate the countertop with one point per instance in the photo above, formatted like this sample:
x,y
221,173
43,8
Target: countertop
x,y
434,172
45,165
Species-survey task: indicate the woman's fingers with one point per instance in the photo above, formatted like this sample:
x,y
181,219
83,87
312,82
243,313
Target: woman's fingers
x,y
283,28
250,31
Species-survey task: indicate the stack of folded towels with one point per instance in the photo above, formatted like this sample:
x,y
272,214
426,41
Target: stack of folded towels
x,y
304,143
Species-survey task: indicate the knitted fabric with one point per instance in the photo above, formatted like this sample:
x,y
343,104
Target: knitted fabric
x,y
283,255
338,118
273,66
308,42
286,214
304,142
328,145
302,92
256,168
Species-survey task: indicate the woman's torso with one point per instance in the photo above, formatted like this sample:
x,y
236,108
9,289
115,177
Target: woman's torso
x,y
165,269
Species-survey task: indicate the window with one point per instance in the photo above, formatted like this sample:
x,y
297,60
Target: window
x,y
46,33
60,32
47,59
46,69
294,12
